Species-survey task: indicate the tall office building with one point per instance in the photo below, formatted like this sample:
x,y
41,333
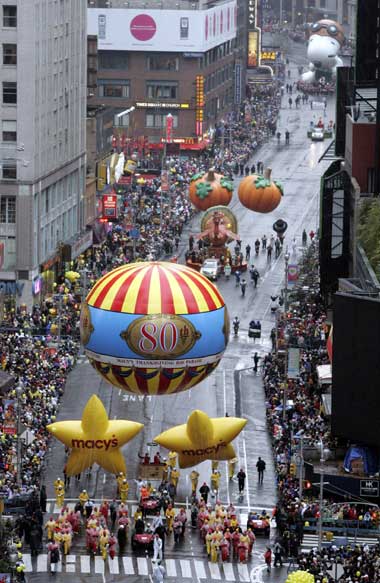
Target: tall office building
x,y
43,135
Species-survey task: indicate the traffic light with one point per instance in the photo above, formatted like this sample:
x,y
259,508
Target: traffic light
x,y
307,485
293,469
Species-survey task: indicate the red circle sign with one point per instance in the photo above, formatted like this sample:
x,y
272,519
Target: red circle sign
x,y
143,27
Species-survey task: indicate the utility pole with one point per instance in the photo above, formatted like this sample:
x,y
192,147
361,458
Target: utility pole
x,y
321,484
286,257
300,489
19,390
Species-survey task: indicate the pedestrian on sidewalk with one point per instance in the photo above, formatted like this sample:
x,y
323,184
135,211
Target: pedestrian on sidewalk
x,y
304,238
241,479
260,465
256,359
204,491
269,253
278,551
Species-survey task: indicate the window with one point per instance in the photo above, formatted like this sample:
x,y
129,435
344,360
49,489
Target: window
x,y
162,89
9,131
8,209
113,88
162,62
9,54
9,170
10,16
9,92
158,119
113,60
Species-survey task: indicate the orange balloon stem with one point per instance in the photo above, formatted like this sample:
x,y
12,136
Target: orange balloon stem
x,y
211,175
267,173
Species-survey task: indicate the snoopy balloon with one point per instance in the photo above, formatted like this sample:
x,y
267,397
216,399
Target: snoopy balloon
x,y
325,41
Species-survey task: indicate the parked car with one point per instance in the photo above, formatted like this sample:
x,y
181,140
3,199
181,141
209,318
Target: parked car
x,y
211,269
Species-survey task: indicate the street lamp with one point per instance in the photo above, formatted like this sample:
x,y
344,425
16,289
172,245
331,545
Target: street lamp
x,y
19,390
286,257
120,115
321,484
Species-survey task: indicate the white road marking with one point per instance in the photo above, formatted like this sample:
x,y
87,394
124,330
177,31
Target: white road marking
x,y
246,472
214,570
228,572
27,562
186,568
128,566
225,409
200,569
99,565
70,558
142,566
171,570
243,572
85,564
70,568
42,563
113,565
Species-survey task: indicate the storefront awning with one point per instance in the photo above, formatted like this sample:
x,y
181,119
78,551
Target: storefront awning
x,y
324,374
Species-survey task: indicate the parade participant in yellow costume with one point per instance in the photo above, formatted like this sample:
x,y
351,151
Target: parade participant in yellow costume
x,y
67,540
57,536
83,497
138,515
232,467
165,470
214,547
60,494
169,518
172,459
215,480
214,465
119,479
57,484
50,526
208,541
103,542
124,488
194,476
174,477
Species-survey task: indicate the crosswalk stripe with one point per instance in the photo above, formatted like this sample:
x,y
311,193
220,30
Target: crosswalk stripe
x,y
42,563
243,572
243,519
128,566
70,568
185,568
70,558
228,572
85,564
99,565
214,570
27,562
142,566
170,568
113,565
200,569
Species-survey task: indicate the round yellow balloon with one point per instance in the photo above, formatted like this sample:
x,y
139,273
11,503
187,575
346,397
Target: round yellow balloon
x,y
95,439
300,577
202,438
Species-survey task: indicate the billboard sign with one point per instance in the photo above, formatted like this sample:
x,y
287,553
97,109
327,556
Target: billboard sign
x,y
109,206
237,84
191,31
253,49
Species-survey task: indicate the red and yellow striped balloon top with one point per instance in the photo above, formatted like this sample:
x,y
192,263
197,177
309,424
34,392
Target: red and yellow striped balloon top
x,y
155,288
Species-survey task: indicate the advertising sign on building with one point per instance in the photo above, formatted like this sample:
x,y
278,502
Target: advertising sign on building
x,y
10,417
237,84
191,31
292,274
293,363
110,206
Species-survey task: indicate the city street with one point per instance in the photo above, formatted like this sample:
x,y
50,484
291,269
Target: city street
x,y
233,388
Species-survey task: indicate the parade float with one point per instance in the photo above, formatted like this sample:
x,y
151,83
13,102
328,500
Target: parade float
x,y
326,38
212,192
259,193
154,328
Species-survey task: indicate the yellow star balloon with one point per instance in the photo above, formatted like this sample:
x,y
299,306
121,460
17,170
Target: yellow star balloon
x,y
95,439
202,438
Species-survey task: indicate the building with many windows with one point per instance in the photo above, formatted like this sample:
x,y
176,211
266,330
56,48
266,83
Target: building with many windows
x,y
43,123
156,58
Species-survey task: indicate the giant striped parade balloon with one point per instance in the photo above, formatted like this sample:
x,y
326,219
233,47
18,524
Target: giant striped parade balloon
x,y
154,328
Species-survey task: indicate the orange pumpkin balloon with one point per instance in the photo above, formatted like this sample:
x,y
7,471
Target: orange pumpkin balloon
x,y
260,193
209,190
